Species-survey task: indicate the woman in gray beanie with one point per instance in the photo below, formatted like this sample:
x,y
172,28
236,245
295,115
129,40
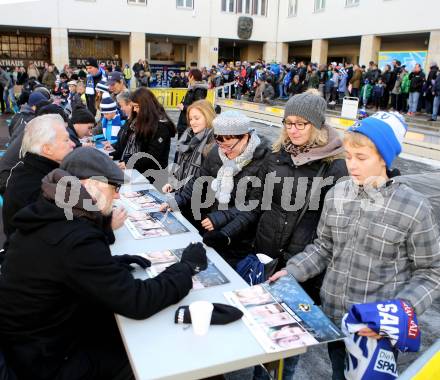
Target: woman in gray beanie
x,y
306,148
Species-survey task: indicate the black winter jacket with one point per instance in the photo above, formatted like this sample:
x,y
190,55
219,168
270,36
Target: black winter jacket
x,y
275,235
416,81
24,186
238,225
198,92
57,276
158,146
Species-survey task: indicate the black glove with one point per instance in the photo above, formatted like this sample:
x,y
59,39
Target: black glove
x,y
195,256
126,260
216,239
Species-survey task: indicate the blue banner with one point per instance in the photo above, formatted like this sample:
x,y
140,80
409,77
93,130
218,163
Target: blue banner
x,y
162,74
407,58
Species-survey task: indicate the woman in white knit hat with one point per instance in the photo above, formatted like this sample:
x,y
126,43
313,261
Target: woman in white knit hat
x,y
238,154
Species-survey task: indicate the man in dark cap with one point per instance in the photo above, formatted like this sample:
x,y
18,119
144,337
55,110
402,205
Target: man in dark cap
x,y
94,76
60,285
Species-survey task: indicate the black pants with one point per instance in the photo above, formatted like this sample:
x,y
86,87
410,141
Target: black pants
x,y
99,354
396,102
2,102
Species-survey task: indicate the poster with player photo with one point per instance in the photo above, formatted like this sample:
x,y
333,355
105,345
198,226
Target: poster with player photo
x,y
282,316
160,260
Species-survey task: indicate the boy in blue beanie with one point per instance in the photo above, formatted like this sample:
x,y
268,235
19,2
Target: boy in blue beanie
x,y
377,238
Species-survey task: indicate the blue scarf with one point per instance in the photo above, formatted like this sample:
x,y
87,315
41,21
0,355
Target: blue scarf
x,y
369,358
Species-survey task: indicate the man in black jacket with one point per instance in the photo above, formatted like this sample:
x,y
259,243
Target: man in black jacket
x,y
94,76
12,154
60,284
45,144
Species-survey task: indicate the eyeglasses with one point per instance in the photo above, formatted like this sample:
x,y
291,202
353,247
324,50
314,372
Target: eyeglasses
x,y
117,186
299,126
220,140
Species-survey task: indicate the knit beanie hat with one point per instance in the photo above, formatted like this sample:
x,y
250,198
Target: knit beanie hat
x,y
102,86
92,62
82,116
231,123
309,106
386,130
222,314
108,105
36,98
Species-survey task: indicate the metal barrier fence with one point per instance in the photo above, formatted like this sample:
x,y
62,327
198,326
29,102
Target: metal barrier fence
x,y
170,98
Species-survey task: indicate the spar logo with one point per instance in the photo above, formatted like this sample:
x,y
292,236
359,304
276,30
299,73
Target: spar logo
x,y
386,363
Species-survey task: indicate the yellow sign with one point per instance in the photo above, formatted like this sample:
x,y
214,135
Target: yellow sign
x,y
431,369
170,98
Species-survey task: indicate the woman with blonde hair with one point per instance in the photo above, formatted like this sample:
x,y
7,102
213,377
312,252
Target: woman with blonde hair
x,y
307,149
195,143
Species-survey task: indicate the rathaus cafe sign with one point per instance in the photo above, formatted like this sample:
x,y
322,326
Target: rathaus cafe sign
x,y
19,63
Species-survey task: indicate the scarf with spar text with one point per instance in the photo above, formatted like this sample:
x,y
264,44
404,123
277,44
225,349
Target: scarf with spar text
x,y
369,358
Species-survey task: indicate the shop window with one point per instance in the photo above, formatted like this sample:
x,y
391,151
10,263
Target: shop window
x,y
167,52
25,47
351,3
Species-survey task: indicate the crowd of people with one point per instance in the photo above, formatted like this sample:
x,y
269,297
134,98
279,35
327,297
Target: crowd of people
x,y
392,88
59,291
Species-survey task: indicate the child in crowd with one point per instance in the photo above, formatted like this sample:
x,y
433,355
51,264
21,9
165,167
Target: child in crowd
x,y
378,91
366,93
111,120
74,99
81,90
377,238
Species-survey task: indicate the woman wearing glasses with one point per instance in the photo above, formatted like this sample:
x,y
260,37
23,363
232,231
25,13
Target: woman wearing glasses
x,y
307,148
233,161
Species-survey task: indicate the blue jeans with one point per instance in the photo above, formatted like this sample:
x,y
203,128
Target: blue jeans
x,y
288,369
9,97
435,107
413,101
281,90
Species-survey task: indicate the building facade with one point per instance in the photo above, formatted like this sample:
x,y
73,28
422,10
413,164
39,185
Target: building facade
x,y
202,32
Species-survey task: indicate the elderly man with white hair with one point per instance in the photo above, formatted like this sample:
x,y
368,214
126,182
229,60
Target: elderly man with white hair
x,y
45,144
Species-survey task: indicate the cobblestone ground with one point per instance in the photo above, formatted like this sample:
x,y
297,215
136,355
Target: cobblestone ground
x,y
315,364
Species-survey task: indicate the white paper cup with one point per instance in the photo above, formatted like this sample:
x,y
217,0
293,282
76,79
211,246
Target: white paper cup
x,y
201,312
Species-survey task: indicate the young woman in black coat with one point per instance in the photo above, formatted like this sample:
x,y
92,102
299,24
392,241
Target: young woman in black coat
x,y
149,130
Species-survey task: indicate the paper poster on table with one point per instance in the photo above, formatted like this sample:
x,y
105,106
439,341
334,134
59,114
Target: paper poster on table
x,y
144,225
282,316
160,260
148,200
